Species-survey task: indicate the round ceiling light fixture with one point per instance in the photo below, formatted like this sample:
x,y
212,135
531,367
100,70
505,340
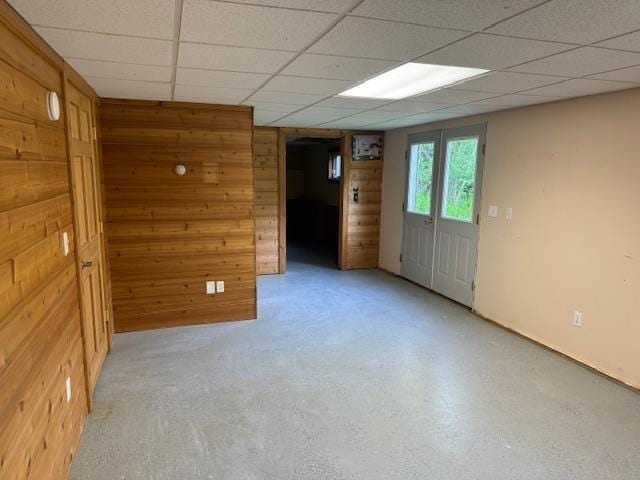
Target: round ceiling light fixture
x,y
53,106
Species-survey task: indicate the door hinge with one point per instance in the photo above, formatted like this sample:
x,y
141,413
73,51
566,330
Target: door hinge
x,y
95,133
406,154
473,286
484,147
403,206
401,257
478,218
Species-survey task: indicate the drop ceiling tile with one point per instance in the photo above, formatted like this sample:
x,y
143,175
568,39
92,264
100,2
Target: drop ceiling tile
x,y
143,18
335,6
286,98
450,96
237,59
216,78
631,74
362,37
112,88
331,112
413,120
470,109
574,21
629,42
296,121
580,86
507,82
462,14
580,62
221,23
349,123
376,116
283,83
340,68
211,94
352,102
305,119
410,107
491,52
262,117
516,100
97,46
125,71
273,107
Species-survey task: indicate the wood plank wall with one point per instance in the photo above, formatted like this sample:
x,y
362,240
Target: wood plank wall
x,y
265,163
360,222
40,337
168,234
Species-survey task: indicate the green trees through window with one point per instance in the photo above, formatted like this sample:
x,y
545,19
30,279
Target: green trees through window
x,y
421,178
459,179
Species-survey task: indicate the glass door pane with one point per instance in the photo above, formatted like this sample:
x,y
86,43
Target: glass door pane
x,y
419,191
458,190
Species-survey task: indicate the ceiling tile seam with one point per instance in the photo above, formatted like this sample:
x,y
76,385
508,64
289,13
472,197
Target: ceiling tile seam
x,y
586,77
517,14
405,22
275,7
175,50
192,42
617,36
118,62
338,19
160,82
108,34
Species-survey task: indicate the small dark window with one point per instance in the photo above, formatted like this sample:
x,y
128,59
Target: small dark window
x,y
335,166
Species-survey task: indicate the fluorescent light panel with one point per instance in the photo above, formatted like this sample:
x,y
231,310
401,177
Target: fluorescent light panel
x,y
411,79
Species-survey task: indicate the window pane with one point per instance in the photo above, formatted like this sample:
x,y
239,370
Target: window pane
x,y
420,178
459,179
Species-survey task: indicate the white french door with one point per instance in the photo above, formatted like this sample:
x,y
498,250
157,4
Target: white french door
x,y
441,253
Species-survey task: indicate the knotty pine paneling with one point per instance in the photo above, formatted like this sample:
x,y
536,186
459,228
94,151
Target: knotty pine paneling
x,y
40,336
265,165
169,234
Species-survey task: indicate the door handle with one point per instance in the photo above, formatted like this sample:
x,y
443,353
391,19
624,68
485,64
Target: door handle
x,y
428,221
86,264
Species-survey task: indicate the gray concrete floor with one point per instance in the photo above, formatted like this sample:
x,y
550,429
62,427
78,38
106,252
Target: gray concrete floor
x,y
352,375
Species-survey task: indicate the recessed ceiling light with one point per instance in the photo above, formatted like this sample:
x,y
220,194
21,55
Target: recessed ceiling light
x,y
411,79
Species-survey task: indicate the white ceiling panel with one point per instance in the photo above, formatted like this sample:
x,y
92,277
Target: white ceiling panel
x,y
283,83
340,68
273,107
351,102
461,14
450,96
109,87
286,97
470,109
344,124
574,21
375,116
335,6
580,62
237,59
491,52
410,107
262,117
144,18
216,78
331,112
517,100
96,46
631,74
362,37
125,71
213,94
507,82
629,42
580,86
221,23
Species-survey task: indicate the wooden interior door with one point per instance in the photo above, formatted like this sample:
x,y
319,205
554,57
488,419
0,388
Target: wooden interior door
x,y
86,186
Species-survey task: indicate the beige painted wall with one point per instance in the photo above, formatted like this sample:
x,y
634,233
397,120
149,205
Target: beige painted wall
x,y
571,172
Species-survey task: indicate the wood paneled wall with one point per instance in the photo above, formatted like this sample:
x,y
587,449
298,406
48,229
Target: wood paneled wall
x,y
169,234
40,336
359,222
265,163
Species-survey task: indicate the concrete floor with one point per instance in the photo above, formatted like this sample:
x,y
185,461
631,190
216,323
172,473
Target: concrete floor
x,y
355,375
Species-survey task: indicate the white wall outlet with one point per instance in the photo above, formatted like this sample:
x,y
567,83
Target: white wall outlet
x,y
220,286
211,287
68,384
65,243
509,213
577,318
493,210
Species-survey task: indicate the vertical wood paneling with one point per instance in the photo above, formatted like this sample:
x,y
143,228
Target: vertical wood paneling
x,y
169,234
265,167
40,338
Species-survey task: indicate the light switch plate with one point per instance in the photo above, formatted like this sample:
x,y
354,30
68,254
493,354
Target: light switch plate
x,y
211,287
220,286
493,210
68,386
509,213
65,243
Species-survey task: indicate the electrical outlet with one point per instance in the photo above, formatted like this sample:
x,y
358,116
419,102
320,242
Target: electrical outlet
x,y
68,384
65,243
577,318
220,286
509,213
493,210
211,287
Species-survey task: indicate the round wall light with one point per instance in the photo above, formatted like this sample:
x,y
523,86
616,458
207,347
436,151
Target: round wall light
x,y
53,106
180,169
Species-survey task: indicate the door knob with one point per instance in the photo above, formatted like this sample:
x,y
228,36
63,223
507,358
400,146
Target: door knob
x,y
86,264
428,221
